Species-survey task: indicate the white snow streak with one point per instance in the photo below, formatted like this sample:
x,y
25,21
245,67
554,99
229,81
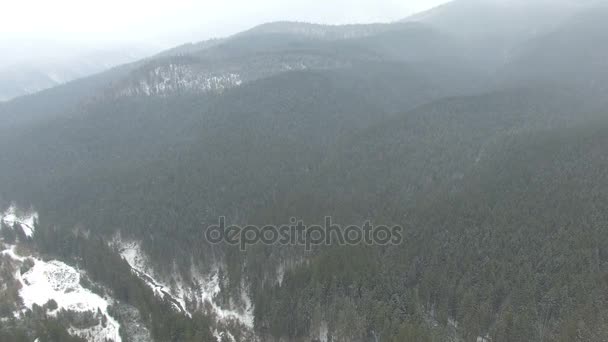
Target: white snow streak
x,y
202,292
27,220
173,78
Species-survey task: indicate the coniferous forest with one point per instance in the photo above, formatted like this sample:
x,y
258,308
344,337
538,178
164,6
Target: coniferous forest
x,y
486,139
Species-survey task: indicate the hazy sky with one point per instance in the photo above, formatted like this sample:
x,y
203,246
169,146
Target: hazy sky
x,y
169,22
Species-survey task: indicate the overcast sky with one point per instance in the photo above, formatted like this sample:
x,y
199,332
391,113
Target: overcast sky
x,y
172,22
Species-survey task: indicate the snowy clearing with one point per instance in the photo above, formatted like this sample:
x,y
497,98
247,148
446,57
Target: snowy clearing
x,y
55,280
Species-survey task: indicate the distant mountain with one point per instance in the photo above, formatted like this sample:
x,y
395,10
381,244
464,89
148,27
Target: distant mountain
x,y
573,54
500,18
329,32
249,57
41,68
19,81
493,28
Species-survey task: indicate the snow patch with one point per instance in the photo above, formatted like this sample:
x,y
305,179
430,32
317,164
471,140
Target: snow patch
x,y
201,291
208,290
174,78
11,253
323,332
55,280
133,255
219,335
27,220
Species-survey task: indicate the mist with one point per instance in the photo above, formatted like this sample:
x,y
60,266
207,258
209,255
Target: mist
x,y
166,24
46,43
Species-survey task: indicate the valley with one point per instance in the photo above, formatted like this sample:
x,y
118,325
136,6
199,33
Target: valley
x,y
477,126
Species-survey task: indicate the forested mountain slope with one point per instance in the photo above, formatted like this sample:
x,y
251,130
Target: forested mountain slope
x,y
494,166
515,254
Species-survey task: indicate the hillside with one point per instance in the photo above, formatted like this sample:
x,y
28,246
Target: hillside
x,y
486,142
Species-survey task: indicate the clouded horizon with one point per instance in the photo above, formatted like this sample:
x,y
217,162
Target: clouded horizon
x,y
165,24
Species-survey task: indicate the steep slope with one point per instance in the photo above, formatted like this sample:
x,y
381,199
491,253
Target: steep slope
x,y
58,102
209,151
261,53
515,253
429,148
226,63
233,90
531,220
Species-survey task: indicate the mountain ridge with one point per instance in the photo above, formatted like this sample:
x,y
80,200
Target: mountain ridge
x,y
488,153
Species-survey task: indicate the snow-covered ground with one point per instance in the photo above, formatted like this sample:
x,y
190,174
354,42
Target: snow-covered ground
x,y
208,289
172,78
219,335
131,252
55,280
26,219
202,290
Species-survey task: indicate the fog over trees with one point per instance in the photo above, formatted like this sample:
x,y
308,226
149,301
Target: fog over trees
x,y
478,126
